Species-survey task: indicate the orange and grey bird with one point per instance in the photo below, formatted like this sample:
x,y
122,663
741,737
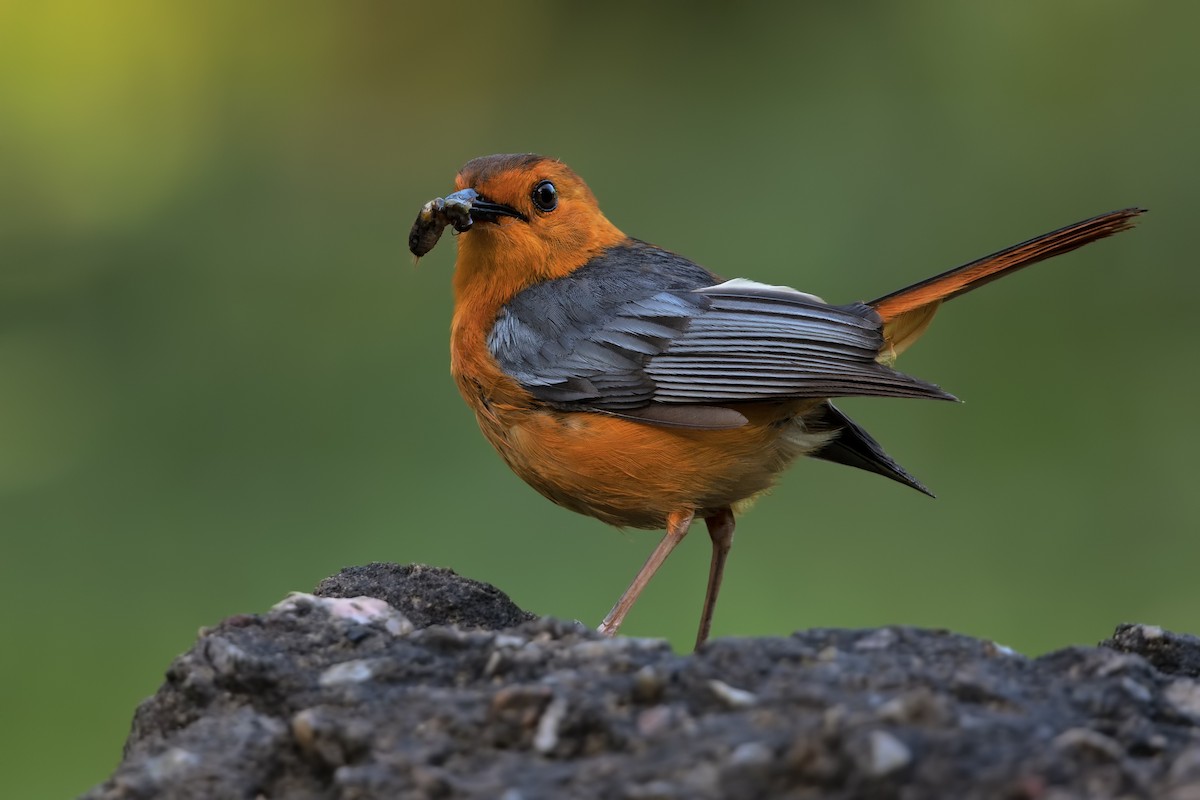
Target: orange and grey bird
x,y
625,382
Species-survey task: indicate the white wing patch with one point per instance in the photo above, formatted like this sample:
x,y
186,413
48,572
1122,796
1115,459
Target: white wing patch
x,y
754,287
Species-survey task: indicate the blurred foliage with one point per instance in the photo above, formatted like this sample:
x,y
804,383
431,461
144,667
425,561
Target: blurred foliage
x,y
221,377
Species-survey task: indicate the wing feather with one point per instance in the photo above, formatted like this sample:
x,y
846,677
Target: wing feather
x,y
640,328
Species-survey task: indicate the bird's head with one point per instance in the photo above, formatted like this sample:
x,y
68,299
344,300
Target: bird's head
x,y
525,217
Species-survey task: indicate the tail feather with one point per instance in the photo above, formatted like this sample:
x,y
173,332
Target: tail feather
x,y
907,313
854,447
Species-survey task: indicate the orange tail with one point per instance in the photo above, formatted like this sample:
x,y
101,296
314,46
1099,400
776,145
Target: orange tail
x,y
908,312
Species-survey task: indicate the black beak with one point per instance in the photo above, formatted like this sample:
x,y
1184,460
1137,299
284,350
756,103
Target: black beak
x,y
484,210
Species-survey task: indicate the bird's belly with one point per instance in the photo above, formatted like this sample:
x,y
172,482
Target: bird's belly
x,y
633,474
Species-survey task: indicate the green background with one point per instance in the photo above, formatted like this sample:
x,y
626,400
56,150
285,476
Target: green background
x,y
222,378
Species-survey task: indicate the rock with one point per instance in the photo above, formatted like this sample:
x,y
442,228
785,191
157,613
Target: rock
x,y
412,682
1173,653
888,754
428,595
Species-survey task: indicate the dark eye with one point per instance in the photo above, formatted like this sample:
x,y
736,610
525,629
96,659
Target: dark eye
x,y
545,196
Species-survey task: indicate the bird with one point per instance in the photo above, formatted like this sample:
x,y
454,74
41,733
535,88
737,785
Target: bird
x,y
632,385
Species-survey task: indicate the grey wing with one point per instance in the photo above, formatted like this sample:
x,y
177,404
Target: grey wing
x,y
587,358
755,342
619,337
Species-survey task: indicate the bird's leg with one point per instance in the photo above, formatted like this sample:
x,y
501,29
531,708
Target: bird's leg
x,y
720,530
677,527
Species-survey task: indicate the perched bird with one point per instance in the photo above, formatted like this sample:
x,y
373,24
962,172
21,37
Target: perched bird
x,y
627,383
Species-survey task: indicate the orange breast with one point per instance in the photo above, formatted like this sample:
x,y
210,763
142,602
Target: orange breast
x,y
633,474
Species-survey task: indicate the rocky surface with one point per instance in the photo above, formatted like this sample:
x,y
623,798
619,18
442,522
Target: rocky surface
x,y
412,682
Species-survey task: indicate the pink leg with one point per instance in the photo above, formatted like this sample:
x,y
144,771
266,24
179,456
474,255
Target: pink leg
x,y
720,530
677,527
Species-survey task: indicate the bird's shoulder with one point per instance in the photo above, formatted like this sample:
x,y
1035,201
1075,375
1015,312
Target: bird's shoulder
x,y
631,270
